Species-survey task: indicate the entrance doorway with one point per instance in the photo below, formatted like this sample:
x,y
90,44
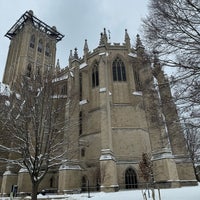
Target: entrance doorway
x,y
130,179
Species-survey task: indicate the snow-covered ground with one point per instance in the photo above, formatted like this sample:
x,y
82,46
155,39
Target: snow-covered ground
x,y
184,193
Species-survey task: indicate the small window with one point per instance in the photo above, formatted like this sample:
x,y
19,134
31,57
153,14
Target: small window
x,y
47,50
64,90
32,41
95,75
28,71
119,71
40,45
82,152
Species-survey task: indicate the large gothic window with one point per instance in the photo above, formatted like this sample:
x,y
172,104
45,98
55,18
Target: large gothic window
x,y
40,45
95,75
32,41
130,179
119,71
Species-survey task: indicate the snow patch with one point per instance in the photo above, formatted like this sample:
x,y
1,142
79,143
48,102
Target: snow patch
x,y
103,53
137,93
82,65
132,55
64,77
7,103
102,90
4,90
70,167
23,170
82,102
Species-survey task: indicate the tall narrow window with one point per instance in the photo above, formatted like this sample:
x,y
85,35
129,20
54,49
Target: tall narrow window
x,y
40,45
32,41
47,50
95,75
28,71
80,86
80,123
119,71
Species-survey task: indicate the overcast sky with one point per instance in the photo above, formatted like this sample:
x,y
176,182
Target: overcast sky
x,y
77,20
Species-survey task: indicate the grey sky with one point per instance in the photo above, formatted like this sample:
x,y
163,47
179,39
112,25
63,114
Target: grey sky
x,y
77,20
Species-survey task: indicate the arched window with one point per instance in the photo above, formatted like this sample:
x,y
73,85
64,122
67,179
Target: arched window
x,y
32,41
40,45
95,75
47,50
84,184
64,90
28,70
130,179
119,71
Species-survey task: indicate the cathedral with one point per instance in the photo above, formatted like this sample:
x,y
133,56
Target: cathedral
x,y
124,108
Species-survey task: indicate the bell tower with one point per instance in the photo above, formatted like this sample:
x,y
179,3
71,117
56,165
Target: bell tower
x,y
32,48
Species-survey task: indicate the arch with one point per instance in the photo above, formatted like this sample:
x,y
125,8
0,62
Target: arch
x,y
40,45
84,184
95,74
118,69
32,41
130,179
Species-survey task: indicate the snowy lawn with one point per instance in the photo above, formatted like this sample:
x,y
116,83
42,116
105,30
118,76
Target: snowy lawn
x,y
184,193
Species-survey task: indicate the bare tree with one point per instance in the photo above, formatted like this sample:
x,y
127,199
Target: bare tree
x,y
193,144
172,28
35,120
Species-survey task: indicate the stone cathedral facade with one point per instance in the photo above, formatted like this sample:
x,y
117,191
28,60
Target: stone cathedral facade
x,y
123,108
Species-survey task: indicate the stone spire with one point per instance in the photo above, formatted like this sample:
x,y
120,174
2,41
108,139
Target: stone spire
x,y
139,46
86,50
70,58
58,65
127,40
76,53
103,39
105,36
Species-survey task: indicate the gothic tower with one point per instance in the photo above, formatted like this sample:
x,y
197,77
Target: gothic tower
x,y
32,48
32,51
115,112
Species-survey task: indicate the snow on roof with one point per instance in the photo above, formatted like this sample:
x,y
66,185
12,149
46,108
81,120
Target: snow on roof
x,y
64,77
82,65
132,55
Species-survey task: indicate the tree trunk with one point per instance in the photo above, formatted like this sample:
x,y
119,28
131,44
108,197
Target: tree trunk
x,y
34,190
